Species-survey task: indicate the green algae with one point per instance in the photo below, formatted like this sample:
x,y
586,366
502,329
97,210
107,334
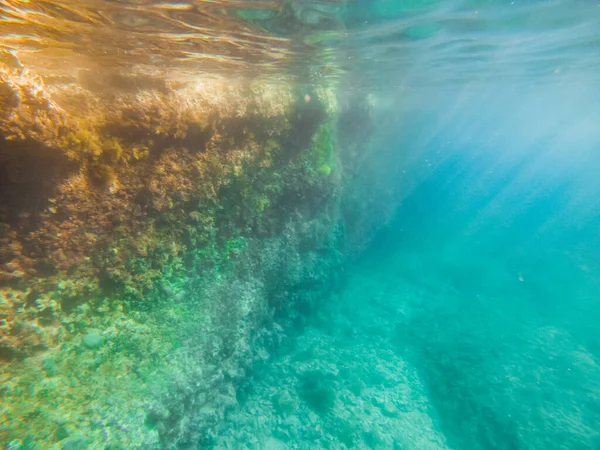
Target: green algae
x,y
322,151
92,341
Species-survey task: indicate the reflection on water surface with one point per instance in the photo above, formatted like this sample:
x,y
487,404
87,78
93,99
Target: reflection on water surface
x,y
378,41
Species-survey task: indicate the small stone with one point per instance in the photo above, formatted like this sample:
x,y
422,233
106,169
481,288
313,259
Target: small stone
x,y
15,444
76,443
373,438
62,433
49,367
272,443
167,289
389,409
93,341
283,402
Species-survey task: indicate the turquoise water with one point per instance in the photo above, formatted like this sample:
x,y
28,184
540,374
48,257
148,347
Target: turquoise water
x,y
471,320
431,283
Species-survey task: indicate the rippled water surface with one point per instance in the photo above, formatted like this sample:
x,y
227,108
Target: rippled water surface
x,y
380,41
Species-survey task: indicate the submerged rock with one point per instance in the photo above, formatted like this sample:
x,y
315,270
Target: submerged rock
x,y
49,367
283,402
317,389
389,409
203,181
167,289
76,443
93,341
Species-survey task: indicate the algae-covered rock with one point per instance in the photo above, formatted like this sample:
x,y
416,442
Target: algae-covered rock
x,y
179,222
76,443
49,367
92,341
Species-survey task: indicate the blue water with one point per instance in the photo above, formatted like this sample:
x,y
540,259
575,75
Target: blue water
x,y
471,320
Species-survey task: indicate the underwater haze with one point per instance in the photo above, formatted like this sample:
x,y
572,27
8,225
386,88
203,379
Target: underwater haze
x,y
300,225
470,321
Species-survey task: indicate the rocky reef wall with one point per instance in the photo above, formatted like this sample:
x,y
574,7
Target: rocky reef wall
x,y
155,241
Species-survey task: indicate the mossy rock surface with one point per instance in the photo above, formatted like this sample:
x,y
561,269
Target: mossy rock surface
x,y
92,341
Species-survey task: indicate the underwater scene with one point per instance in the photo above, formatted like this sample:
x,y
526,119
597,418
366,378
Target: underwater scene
x,y
300,224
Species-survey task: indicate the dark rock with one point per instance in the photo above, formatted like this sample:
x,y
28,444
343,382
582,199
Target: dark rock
x,y
318,391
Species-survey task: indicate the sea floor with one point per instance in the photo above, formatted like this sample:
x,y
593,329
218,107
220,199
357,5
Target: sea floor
x,y
433,343
340,384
